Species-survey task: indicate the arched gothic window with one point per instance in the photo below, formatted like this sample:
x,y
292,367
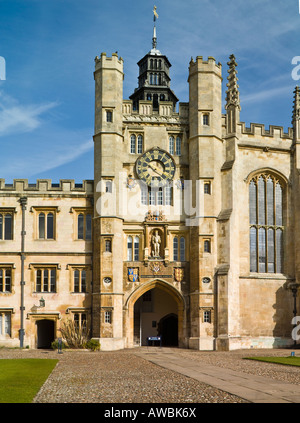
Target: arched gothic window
x,y
182,249
266,224
175,249
171,145
129,248
136,248
132,144
140,144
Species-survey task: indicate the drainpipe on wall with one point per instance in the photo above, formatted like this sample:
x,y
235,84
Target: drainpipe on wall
x,y
23,202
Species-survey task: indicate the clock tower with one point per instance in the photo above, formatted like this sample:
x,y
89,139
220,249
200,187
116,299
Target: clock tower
x,y
154,79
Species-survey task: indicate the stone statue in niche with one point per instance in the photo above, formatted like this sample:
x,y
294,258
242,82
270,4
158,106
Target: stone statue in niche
x,y
156,241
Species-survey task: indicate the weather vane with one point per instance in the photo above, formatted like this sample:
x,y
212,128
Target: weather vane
x,y
156,15
154,40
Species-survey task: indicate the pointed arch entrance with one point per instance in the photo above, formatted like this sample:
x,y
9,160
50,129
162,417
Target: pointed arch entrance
x,y
155,308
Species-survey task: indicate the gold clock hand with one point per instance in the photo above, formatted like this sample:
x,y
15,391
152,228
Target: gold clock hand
x,y
156,169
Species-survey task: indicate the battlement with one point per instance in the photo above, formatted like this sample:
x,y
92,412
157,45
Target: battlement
x,y
46,185
259,129
208,65
113,62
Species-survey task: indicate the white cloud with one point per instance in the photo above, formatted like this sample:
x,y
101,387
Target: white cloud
x,y
16,118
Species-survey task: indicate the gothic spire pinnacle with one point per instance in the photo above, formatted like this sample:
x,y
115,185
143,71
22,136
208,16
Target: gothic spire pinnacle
x,y
296,109
232,94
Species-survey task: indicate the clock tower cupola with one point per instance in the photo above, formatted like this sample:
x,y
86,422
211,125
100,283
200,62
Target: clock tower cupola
x,y
154,77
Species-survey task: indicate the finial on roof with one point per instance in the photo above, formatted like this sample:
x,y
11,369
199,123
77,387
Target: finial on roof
x,y
232,94
296,109
154,39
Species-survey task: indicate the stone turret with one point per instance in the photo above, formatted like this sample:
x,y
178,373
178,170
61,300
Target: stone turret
x,y
108,149
205,161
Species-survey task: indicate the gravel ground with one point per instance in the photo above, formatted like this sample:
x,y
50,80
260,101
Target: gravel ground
x,y
124,377
116,377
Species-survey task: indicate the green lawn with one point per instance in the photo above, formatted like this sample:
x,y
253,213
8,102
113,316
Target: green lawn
x,y
290,361
20,380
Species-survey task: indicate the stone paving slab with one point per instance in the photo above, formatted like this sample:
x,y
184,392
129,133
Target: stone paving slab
x,y
253,388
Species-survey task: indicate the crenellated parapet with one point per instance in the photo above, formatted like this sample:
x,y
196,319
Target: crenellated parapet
x,y
209,65
47,186
106,62
258,129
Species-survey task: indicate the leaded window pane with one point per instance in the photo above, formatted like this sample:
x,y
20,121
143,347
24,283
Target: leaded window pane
x,y
52,280
182,249
42,225
171,145
262,250
160,197
271,252
261,201
38,280
178,146
140,144
80,226
252,202
8,226
279,250
144,195
88,227
136,248
132,144
152,197
46,280
83,281
270,202
129,248
50,227
7,280
168,195
76,281
253,249
278,203
175,249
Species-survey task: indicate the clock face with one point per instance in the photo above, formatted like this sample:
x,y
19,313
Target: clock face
x,y
155,167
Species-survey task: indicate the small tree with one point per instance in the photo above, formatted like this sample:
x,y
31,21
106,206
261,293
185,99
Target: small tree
x,y
75,336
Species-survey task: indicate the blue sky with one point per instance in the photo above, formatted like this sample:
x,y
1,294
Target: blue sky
x,y
49,46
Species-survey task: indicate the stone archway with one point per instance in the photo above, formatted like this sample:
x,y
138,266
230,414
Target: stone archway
x,y
173,304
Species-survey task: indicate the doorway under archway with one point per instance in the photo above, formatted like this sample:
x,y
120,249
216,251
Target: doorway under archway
x,y
156,314
168,330
45,333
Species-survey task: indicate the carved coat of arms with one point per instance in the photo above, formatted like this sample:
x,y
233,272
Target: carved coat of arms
x,y
131,183
178,274
155,267
133,274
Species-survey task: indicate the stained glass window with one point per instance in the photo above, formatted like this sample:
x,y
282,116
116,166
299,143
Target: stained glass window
x,y
266,224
